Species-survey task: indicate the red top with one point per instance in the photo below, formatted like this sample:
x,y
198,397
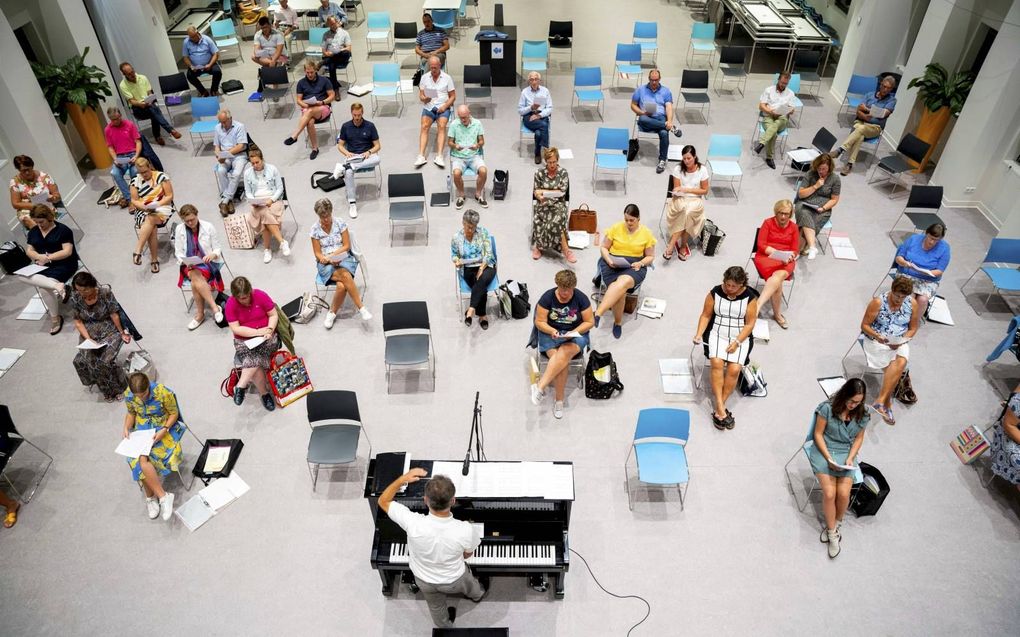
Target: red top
x,y
771,235
255,316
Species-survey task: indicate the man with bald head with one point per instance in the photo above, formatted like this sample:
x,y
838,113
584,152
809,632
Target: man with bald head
x,y
230,141
466,140
535,107
653,105
437,95
201,56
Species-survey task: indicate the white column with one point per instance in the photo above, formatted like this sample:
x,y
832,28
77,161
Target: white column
x,y
872,42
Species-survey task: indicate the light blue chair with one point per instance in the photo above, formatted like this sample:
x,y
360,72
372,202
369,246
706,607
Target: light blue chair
x,y
724,160
1006,342
628,61
860,86
794,86
386,85
588,88
223,34
464,291
469,174
646,35
781,136
809,444
610,153
380,30
534,57
314,48
445,19
1001,252
525,133
660,451
203,107
702,42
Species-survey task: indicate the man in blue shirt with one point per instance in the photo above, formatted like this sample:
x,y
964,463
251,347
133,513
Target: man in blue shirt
x,y
230,141
430,41
330,9
867,125
535,107
313,94
358,142
653,104
200,56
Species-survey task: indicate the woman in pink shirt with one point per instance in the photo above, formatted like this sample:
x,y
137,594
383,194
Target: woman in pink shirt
x,y
252,314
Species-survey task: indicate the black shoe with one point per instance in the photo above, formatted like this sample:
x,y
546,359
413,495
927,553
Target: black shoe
x,y
315,153
467,320
451,612
484,323
719,424
268,402
289,141
758,148
771,164
538,159
239,395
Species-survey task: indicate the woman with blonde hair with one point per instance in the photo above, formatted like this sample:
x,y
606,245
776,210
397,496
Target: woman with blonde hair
x,y
153,406
152,202
263,187
775,256
334,261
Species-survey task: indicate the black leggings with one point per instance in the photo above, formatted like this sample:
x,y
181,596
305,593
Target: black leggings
x,y
479,286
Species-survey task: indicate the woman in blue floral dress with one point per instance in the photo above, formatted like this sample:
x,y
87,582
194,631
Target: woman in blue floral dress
x,y
152,406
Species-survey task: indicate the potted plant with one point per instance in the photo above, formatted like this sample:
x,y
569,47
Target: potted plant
x,y
76,89
943,96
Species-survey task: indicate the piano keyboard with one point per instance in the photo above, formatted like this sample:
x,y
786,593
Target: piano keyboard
x,y
495,554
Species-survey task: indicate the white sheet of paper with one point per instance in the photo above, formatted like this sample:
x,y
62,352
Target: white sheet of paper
x,y
578,239
194,513
30,269
649,108
802,155
338,257
90,344
43,198
618,261
225,154
261,201
217,495
877,112
8,357
255,341
540,100
510,479
897,340
192,261
216,459
138,443
430,93
760,330
938,311
675,152
311,100
841,246
566,153
570,334
676,384
34,311
123,161
150,98
844,467
781,255
675,366
831,385
553,194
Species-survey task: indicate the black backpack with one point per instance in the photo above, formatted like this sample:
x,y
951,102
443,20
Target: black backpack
x,y
597,384
520,303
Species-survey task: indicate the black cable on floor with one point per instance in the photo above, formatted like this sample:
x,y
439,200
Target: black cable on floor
x,y
647,613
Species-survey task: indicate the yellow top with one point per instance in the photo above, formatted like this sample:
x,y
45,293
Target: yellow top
x,y
626,244
137,90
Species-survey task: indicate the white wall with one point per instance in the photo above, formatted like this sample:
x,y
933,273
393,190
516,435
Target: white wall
x,y
133,32
873,40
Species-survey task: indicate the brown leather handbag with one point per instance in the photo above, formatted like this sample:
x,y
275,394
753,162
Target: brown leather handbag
x,y
583,218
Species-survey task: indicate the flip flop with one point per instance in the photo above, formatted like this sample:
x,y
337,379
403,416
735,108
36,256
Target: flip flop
x,y
154,267
683,253
781,321
136,258
11,518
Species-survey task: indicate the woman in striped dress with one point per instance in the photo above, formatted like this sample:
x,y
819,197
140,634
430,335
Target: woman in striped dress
x,y
724,328
152,202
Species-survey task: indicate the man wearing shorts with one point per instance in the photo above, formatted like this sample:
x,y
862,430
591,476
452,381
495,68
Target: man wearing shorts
x,y
466,140
314,94
437,95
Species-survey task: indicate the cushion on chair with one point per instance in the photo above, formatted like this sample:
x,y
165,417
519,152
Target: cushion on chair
x,y
614,161
407,210
661,463
407,349
1003,278
333,444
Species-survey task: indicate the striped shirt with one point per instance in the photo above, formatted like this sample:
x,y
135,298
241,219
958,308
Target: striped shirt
x,y
430,41
150,190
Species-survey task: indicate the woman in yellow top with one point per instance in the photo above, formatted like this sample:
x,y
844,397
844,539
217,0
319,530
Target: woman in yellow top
x,y
152,406
627,249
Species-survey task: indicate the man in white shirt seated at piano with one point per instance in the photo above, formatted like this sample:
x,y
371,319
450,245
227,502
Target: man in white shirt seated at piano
x,y
437,544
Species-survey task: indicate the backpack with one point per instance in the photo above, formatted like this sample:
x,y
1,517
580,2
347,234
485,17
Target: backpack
x,y
600,376
516,292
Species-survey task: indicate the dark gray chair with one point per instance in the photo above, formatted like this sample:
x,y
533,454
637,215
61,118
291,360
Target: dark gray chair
x,y
694,90
10,442
278,77
922,208
732,63
408,337
909,149
806,64
822,142
561,38
405,36
335,420
176,85
406,192
479,75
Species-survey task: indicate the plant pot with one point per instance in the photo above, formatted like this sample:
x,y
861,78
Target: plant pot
x,y
86,122
930,130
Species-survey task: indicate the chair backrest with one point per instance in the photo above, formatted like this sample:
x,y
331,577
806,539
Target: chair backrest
x,y
628,52
222,29
7,427
913,147
316,34
1003,251
204,107
462,11
754,246
646,30
405,30
405,185
925,197
478,74
823,140
807,60
274,75
724,146
611,139
862,85
663,422
534,50
588,76
696,80
176,83
703,31
563,29
386,73
332,407
405,315
733,55
444,18
378,20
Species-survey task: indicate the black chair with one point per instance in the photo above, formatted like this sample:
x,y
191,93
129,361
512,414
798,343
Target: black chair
x,y
922,208
335,420
732,63
561,37
408,335
176,85
806,64
352,8
480,74
279,78
405,36
10,442
694,90
800,158
909,149
408,189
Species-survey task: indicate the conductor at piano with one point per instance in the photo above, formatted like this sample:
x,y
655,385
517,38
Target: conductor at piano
x,y
437,544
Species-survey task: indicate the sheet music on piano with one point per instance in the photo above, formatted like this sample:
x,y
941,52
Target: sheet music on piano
x,y
510,479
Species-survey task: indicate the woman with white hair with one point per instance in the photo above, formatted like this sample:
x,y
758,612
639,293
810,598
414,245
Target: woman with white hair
x,y
472,253
335,261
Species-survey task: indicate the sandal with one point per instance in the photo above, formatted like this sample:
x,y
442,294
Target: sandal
x,y
885,413
57,326
667,255
781,321
154,267
683,253
719,424
11,518
569,256
536,254
136,258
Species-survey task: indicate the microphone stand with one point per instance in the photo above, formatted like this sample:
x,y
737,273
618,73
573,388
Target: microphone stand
x,y
477,437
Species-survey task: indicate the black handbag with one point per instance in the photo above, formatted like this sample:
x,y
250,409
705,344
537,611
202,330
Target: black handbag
x,y
232,87
632,149
866,501
13,257
600,376
324,181
520,301
711,238
416,78
233,454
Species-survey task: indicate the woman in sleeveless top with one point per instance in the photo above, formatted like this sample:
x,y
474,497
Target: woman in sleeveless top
x,y
152,202
889,322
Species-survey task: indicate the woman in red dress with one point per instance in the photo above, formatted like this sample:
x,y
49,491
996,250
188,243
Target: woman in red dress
x,y
775,256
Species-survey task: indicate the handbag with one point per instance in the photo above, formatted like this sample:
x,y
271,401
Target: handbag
x,y
520,302
500,184
326,182
600,376
872,493
303,308
583,218
752,381
140,361
13,257
232,87
416,78
711,238
904,391
632,149
288,378
229,383
239,233
206,473
969,445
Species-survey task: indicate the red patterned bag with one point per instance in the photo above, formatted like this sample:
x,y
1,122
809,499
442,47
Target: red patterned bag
x,y
288,378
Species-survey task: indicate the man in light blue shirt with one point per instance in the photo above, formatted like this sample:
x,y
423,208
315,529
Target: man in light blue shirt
x,y
330,9
200,56
230,141
653,104
535,107
866,126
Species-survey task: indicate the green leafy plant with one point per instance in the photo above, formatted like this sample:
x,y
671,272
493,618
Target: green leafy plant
x,y
74,82
937,88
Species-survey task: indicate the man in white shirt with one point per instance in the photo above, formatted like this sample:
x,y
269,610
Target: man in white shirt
x,y
775,105
437,95
437,544
268,48
535,107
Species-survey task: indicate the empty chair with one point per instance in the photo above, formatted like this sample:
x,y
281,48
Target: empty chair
x,y
175,85
588,88
10,442
202,108
275,86
405,37
352,8
561,38
800,158
702,42
646,35
628,62
1001,252
380,31
910,149
223,34
445,19
694,90
923,205
534,57
408,337
479,76
660,451
805,63
315,36
406,193
732,63
724,160
610,153
335,421
860,86
386,85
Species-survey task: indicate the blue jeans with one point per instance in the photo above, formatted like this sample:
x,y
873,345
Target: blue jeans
x,y
155,115
121,174
541,129
657,125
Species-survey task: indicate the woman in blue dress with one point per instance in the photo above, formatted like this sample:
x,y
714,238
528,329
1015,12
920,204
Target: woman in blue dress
x,y
153,406
889,322
838,433
335,261
1006,442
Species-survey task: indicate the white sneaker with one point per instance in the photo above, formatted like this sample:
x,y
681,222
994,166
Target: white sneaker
x,y
166,506
833,537
536,394
285,248
558,409
330,319
267,256
825,532
420,161
353,211
438,161
365,314
152,506
812,253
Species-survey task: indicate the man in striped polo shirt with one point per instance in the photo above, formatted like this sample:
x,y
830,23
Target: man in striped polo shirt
x,y
431,41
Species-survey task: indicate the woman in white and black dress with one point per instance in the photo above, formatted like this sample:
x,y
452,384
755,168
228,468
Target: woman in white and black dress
x,y
724,328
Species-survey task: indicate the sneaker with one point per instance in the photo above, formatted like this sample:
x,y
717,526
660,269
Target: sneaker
x,y
353,211
846,170
267,256
812,253
482,202
833,538
438,161
758,148
289,141
536,394
166,506
268,402
330,319
313,154
460,203
420,161
661,166
285,248
239,395
676,131
365,314
558,409
152,506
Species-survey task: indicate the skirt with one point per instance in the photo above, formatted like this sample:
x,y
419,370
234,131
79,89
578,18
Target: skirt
x,y
610,275
162,214
165,455
548,225
839,452
767,266
324,271
716,342
811,219
686,214
261,216
922,287
879,356
258,357
1005,456
211,274
547,342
